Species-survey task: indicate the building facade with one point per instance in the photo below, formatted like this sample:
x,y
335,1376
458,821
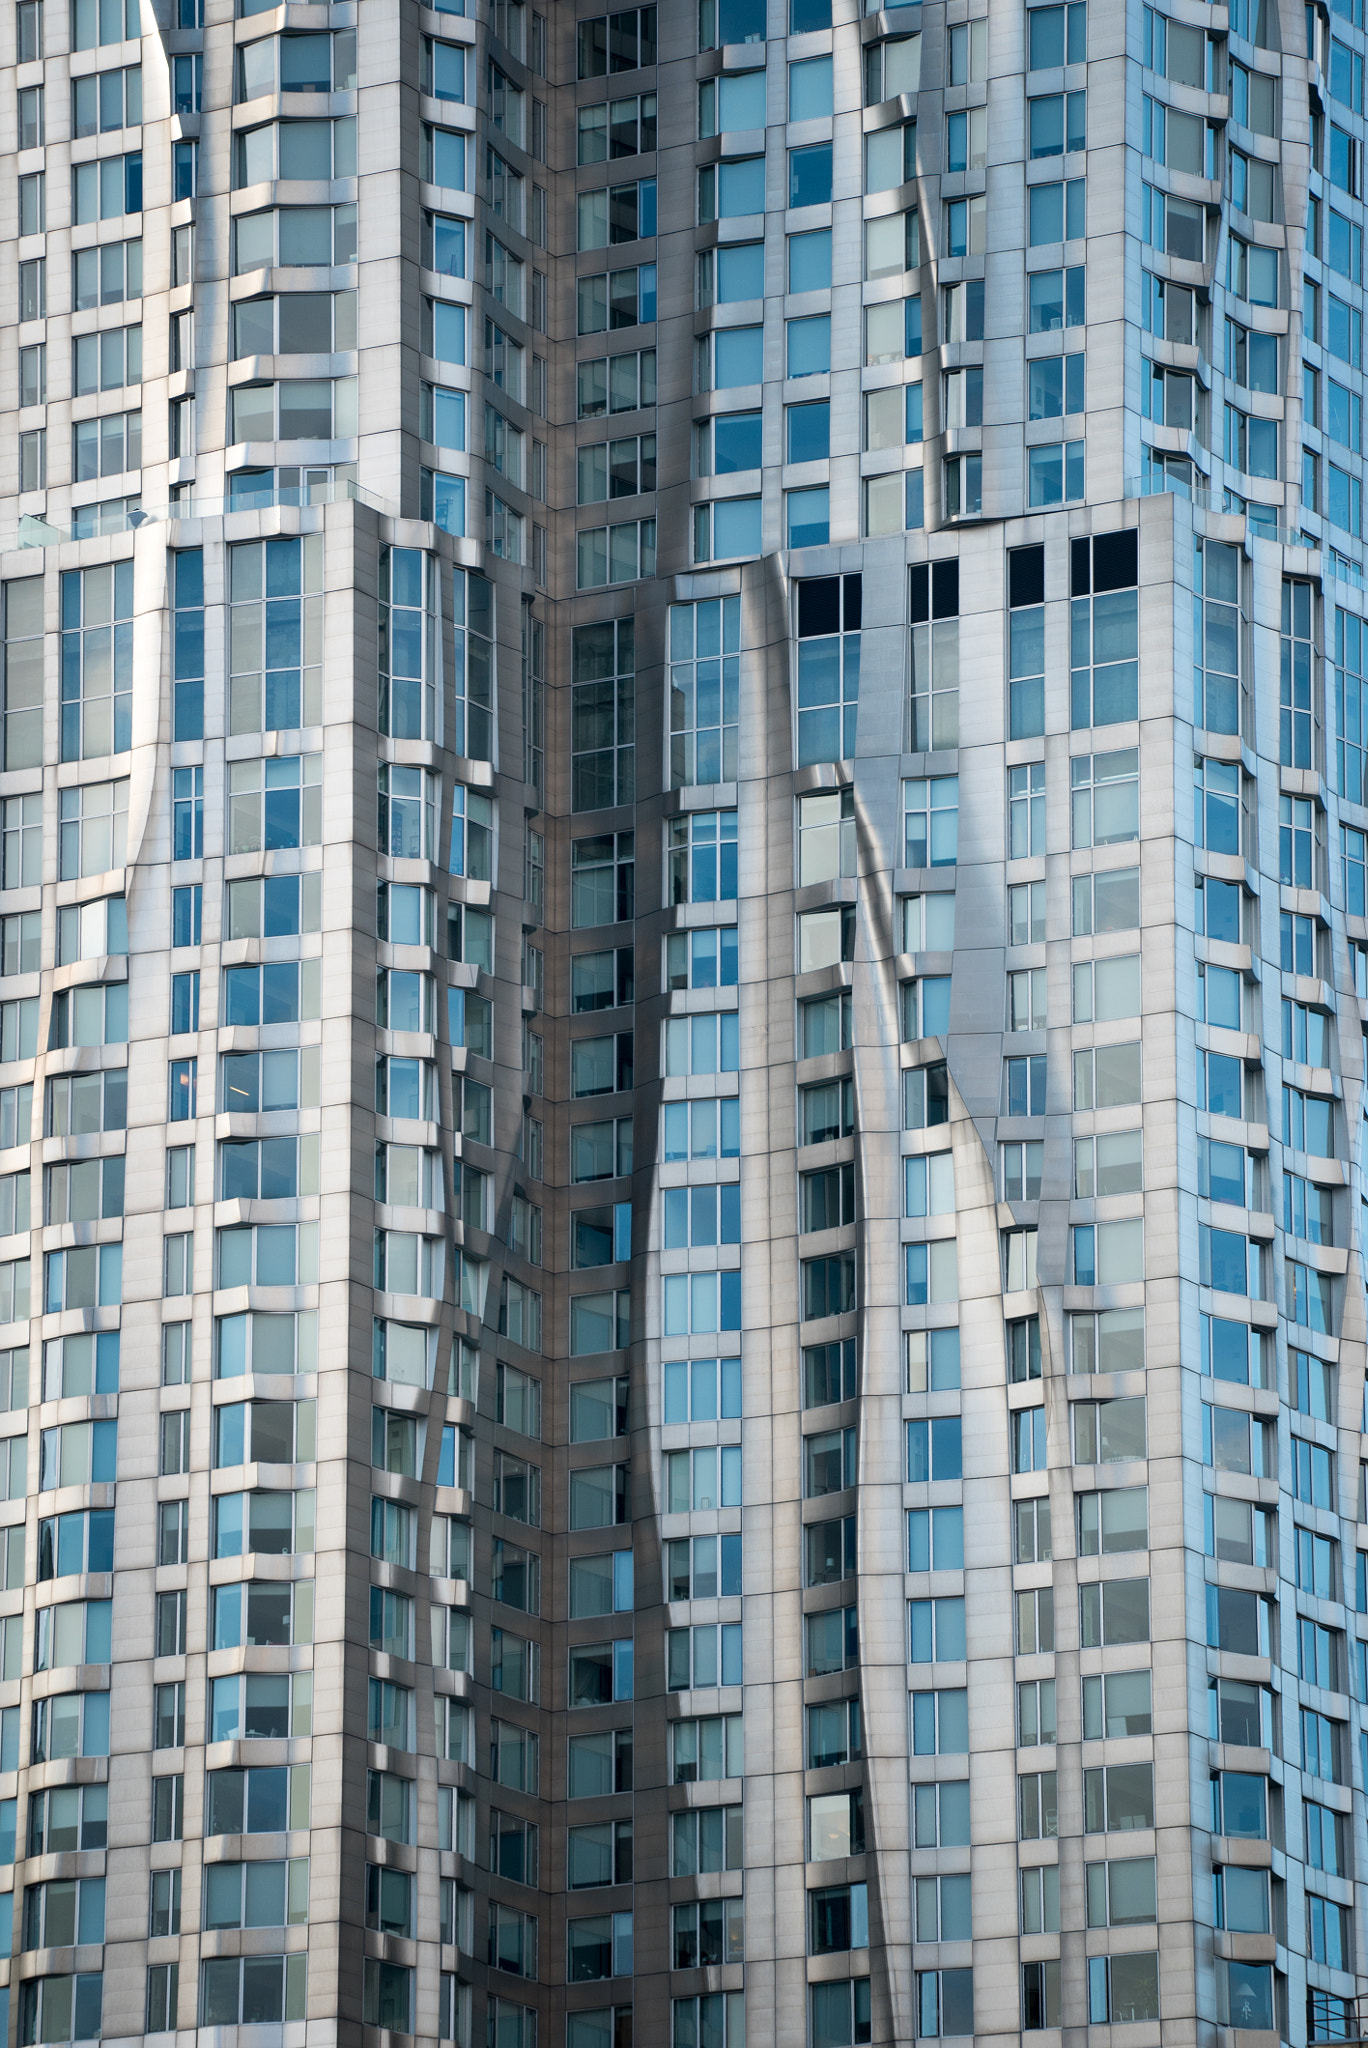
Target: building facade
x,y
684,929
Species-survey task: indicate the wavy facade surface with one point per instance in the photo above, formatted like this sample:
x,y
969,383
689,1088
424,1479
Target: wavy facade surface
x,y
684,927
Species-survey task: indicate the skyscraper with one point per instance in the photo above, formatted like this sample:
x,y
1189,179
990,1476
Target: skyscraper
x,y
684,926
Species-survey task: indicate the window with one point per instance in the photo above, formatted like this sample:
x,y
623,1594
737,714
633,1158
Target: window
x,y
162,1985
945,2001
701,858
935,1542
706,1478
617,128
257,1894
1118,1798
1055,386
1057,123
105,275
891,152
1022,1086
1308,1123
931,822
824,937
1172,398
1351,704
14,1383
928,1186
934,708
102,188
1104,797
253,1989
596,1948
1026,988
73,1632
617,41
272,1523
1108,1254
1251,444
732,525
933,1361
940,1815
472,834
1035,1712
33,283
264,1432
599,1495
1028,1439
1217,573
61,2008
1107,1431
1023,1350
1026,798
23,687
829,1550
1033,1537
69,1724
278,803
613,384
294,235
927,925
1320,1662
704,679
829,611
830,1372
1240,1713
97,654
1301,845
1308,1210
602,1151
1317,1565
84,1277
603,713
893,331
407,691
322,149
609,300
704,1751
703,1044
732,188
1231,1442
1312,1385
809,259
1107,1076
617,213
1313,1467
260,1613
77,1104
601,1236
266,1168
616,469
1108,1165
892,419
298,63
444,339
807,512
1116,1611
700,1657
838,1918
934,1449
70,1817
826,1110
283,992
932,1273
892,67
